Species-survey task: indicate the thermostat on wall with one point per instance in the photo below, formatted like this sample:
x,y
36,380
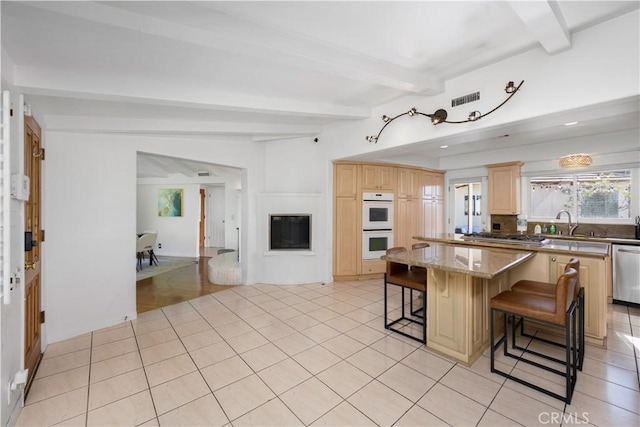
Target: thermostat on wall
x,y
20,187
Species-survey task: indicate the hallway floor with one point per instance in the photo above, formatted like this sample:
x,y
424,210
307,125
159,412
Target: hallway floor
x,y
178,285
311,354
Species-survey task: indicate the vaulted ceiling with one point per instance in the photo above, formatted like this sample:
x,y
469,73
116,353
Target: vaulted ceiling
x,y
265,70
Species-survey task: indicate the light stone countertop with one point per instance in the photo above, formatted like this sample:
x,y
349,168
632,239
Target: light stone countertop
x,y
578,246
474,261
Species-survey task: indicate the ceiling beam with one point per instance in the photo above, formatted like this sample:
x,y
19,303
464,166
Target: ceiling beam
x,y
57,82
257,41
126,125
545,21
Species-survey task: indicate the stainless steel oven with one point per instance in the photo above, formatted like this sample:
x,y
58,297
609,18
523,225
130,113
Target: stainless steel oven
x,y
377,211
375,243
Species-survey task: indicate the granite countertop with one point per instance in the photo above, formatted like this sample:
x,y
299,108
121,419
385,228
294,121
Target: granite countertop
x,y
474,261
577,246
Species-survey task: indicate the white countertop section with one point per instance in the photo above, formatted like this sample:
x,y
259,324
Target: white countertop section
x,y
474,261
578,246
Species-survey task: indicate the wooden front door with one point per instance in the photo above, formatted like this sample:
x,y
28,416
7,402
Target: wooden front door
x,y
33,155
203,200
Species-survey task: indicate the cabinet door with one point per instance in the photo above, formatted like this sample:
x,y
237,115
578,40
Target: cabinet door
x,y
433,185
346,180
433,217
592,279
408,222
504,190
378,177
409,183
387,178
346,235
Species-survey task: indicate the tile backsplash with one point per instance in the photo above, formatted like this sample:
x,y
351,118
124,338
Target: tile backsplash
x,y
507,224
503,223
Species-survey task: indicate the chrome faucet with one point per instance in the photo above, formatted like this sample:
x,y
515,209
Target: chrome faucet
x,y
572,228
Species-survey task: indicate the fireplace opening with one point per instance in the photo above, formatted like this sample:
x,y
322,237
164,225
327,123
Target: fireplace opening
x,y
290,232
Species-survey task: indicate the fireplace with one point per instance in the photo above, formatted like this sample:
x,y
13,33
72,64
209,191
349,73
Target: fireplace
x,y
290,232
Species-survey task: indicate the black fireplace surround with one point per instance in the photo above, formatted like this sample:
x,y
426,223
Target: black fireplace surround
x,y
290,232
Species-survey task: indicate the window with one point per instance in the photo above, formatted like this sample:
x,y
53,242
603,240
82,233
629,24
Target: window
x,y
600,196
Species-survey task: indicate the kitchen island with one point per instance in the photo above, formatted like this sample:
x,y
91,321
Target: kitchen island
x,y
547,264
461,280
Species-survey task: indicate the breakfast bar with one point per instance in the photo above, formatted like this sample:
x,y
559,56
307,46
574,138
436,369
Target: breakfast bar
x,y
461,280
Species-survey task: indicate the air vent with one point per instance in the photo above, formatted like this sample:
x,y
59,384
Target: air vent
x,y
205,173
472,97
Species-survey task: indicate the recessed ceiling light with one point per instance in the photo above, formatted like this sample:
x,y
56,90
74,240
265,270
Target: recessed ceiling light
x,y
444,146
571,123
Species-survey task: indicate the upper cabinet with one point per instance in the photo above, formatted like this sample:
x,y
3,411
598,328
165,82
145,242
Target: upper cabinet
x,y
433,185
504,188
410,183
346,180
376,178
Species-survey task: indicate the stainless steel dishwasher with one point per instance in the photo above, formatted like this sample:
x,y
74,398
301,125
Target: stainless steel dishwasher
x,y
626,274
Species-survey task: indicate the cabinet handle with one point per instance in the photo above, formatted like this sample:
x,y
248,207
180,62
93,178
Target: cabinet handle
x,y
553,259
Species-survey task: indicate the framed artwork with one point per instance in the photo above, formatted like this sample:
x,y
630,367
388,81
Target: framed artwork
x,y
170,201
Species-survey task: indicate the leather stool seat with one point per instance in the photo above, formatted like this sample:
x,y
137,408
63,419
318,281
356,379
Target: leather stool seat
x,y
549,290
557,311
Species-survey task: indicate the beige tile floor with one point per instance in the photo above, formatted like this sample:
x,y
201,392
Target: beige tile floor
x,y
308,355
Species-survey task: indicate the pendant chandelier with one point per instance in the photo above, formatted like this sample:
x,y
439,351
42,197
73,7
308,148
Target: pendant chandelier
x,y
580,160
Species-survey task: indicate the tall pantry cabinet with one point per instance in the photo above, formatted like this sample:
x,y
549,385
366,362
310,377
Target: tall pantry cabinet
x,y
347,219
433,203
409,215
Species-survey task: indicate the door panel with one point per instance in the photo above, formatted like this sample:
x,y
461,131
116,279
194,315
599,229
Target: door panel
x,y
203,200
217,213
32,168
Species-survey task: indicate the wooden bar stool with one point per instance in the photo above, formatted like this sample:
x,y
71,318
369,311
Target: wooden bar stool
x,y
418,311
407,278
549,290
558,311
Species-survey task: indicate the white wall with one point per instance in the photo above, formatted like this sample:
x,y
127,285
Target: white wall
x,y
12,314
90,218
296,183
178,236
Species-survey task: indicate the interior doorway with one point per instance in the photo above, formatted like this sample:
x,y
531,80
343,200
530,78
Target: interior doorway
x,y
468,214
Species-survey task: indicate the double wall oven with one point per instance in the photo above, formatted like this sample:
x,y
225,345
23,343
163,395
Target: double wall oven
x,y
377,224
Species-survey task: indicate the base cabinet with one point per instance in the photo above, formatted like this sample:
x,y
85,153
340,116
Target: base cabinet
x,y
592,279
458,310
547,267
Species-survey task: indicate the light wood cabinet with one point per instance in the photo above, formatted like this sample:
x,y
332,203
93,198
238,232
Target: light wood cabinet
x,y
373,266
592,279
432,185
346,180
410,183
433,216
347,219
409,221
418,211
504,188
346,236
376,178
